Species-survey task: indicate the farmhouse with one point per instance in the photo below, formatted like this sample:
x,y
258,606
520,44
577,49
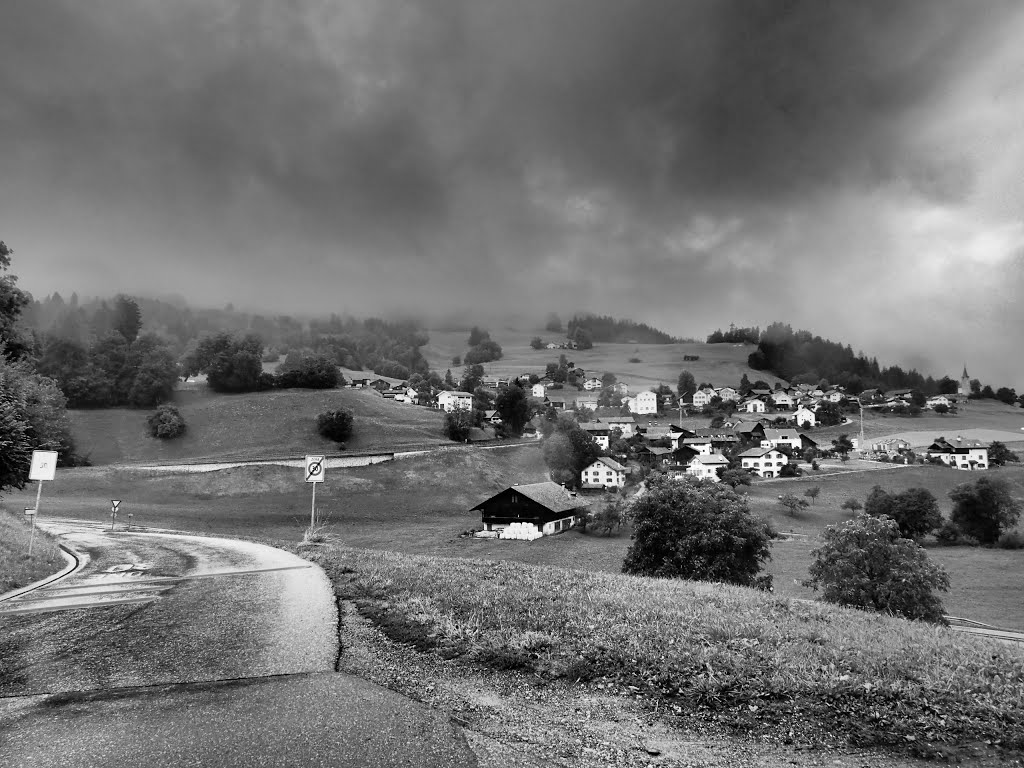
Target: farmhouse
x,y
625,424
591,384
604,473
450,401
703,396
773,438
589,400
728,394
938,400
537,390
764,462
599,431
706,467
752,406
782,400
960,454
531,511
891,445
805,416
493,417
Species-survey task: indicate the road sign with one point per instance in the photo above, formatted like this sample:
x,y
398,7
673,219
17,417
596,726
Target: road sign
x,y
114,504
30,511
44,465
314,469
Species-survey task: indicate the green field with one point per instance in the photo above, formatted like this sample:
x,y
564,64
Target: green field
x,y
254,425
17,566
421,505
719,364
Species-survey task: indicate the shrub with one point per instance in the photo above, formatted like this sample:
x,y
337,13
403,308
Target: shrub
x,y
1011,540
635,360
457,424
694,529
335,425
915,510
984,509
166,422
864,563
313,372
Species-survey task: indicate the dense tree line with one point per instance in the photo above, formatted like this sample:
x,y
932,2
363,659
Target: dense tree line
x,y
599,328
388,348
735,336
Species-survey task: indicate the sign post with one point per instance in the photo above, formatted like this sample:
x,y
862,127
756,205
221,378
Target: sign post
x,y
43,467
114,504
314,471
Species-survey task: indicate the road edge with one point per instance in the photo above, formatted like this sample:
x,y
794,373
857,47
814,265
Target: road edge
x,y
73,561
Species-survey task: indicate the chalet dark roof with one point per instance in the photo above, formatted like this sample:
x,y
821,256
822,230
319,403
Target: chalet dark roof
x,y
657,451
755,453
714,459
551,495
596,428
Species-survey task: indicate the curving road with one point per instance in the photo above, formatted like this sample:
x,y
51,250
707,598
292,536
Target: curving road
x,y
167,649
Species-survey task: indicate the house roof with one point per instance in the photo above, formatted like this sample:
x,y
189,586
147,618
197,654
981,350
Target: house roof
x,y
741,427
755,453
610,463
781,434
658,450
595,427
547,494
714,459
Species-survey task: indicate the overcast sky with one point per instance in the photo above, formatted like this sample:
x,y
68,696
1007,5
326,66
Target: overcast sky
x,y
853,168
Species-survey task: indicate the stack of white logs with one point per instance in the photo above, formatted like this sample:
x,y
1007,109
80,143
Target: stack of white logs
x,y
522,531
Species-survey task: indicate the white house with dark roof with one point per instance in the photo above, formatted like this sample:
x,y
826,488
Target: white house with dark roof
x,y
706,467
537,390
752,406
763,462
728,394
783,399
599,431
592,383
960,453
604,473
453,400
531,510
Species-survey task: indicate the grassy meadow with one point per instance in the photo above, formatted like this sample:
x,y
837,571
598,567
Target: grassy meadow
x,y
420,506
17,568
254,425
752,661
719,364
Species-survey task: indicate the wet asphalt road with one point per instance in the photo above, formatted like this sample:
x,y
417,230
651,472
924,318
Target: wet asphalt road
x,y
177,650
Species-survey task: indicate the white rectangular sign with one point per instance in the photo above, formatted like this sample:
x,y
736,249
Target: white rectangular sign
x,y
44,465
314,469
30,511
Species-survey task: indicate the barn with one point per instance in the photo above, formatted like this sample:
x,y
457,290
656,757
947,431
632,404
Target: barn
x,y
531,510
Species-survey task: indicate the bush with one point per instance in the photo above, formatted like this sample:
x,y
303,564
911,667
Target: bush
x,y
166,422
335,425
1011,540
864,563
695,529
457,424
314,372
984,509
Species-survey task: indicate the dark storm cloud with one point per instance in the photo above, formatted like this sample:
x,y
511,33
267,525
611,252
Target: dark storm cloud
x,y
368,117
707,154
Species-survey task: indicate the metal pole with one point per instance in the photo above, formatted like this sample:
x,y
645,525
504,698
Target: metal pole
x,y
32,534
38,494
312,511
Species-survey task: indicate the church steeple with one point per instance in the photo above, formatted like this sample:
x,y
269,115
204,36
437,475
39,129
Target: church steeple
x,y
965,384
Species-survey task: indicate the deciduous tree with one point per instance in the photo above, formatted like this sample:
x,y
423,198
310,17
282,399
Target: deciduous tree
x,y
984,509
694,529
864,563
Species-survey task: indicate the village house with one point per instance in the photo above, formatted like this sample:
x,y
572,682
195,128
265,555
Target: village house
x,y
532,510
644,403
805,417
625,424
654,456
707,467
899,394
702,397
702,445
834,396
764,462
773,438
592,384
869,396
620,389
599,431
728,394
380,385
891,445
782,399
589,400
931,402
752,406
360,383
604,473
537,390
560,399
450,401
748,430
960,453
492,417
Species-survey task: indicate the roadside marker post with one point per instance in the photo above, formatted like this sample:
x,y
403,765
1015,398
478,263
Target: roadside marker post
x,y
314,472
43,467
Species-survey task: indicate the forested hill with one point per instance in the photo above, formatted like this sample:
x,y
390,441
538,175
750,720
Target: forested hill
x,y
801,357
612,331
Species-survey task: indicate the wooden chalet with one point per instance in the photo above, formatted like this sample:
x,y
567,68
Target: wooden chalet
x,y
547,506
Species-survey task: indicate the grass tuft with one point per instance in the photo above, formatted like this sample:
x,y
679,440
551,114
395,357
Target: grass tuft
x,y
17,568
